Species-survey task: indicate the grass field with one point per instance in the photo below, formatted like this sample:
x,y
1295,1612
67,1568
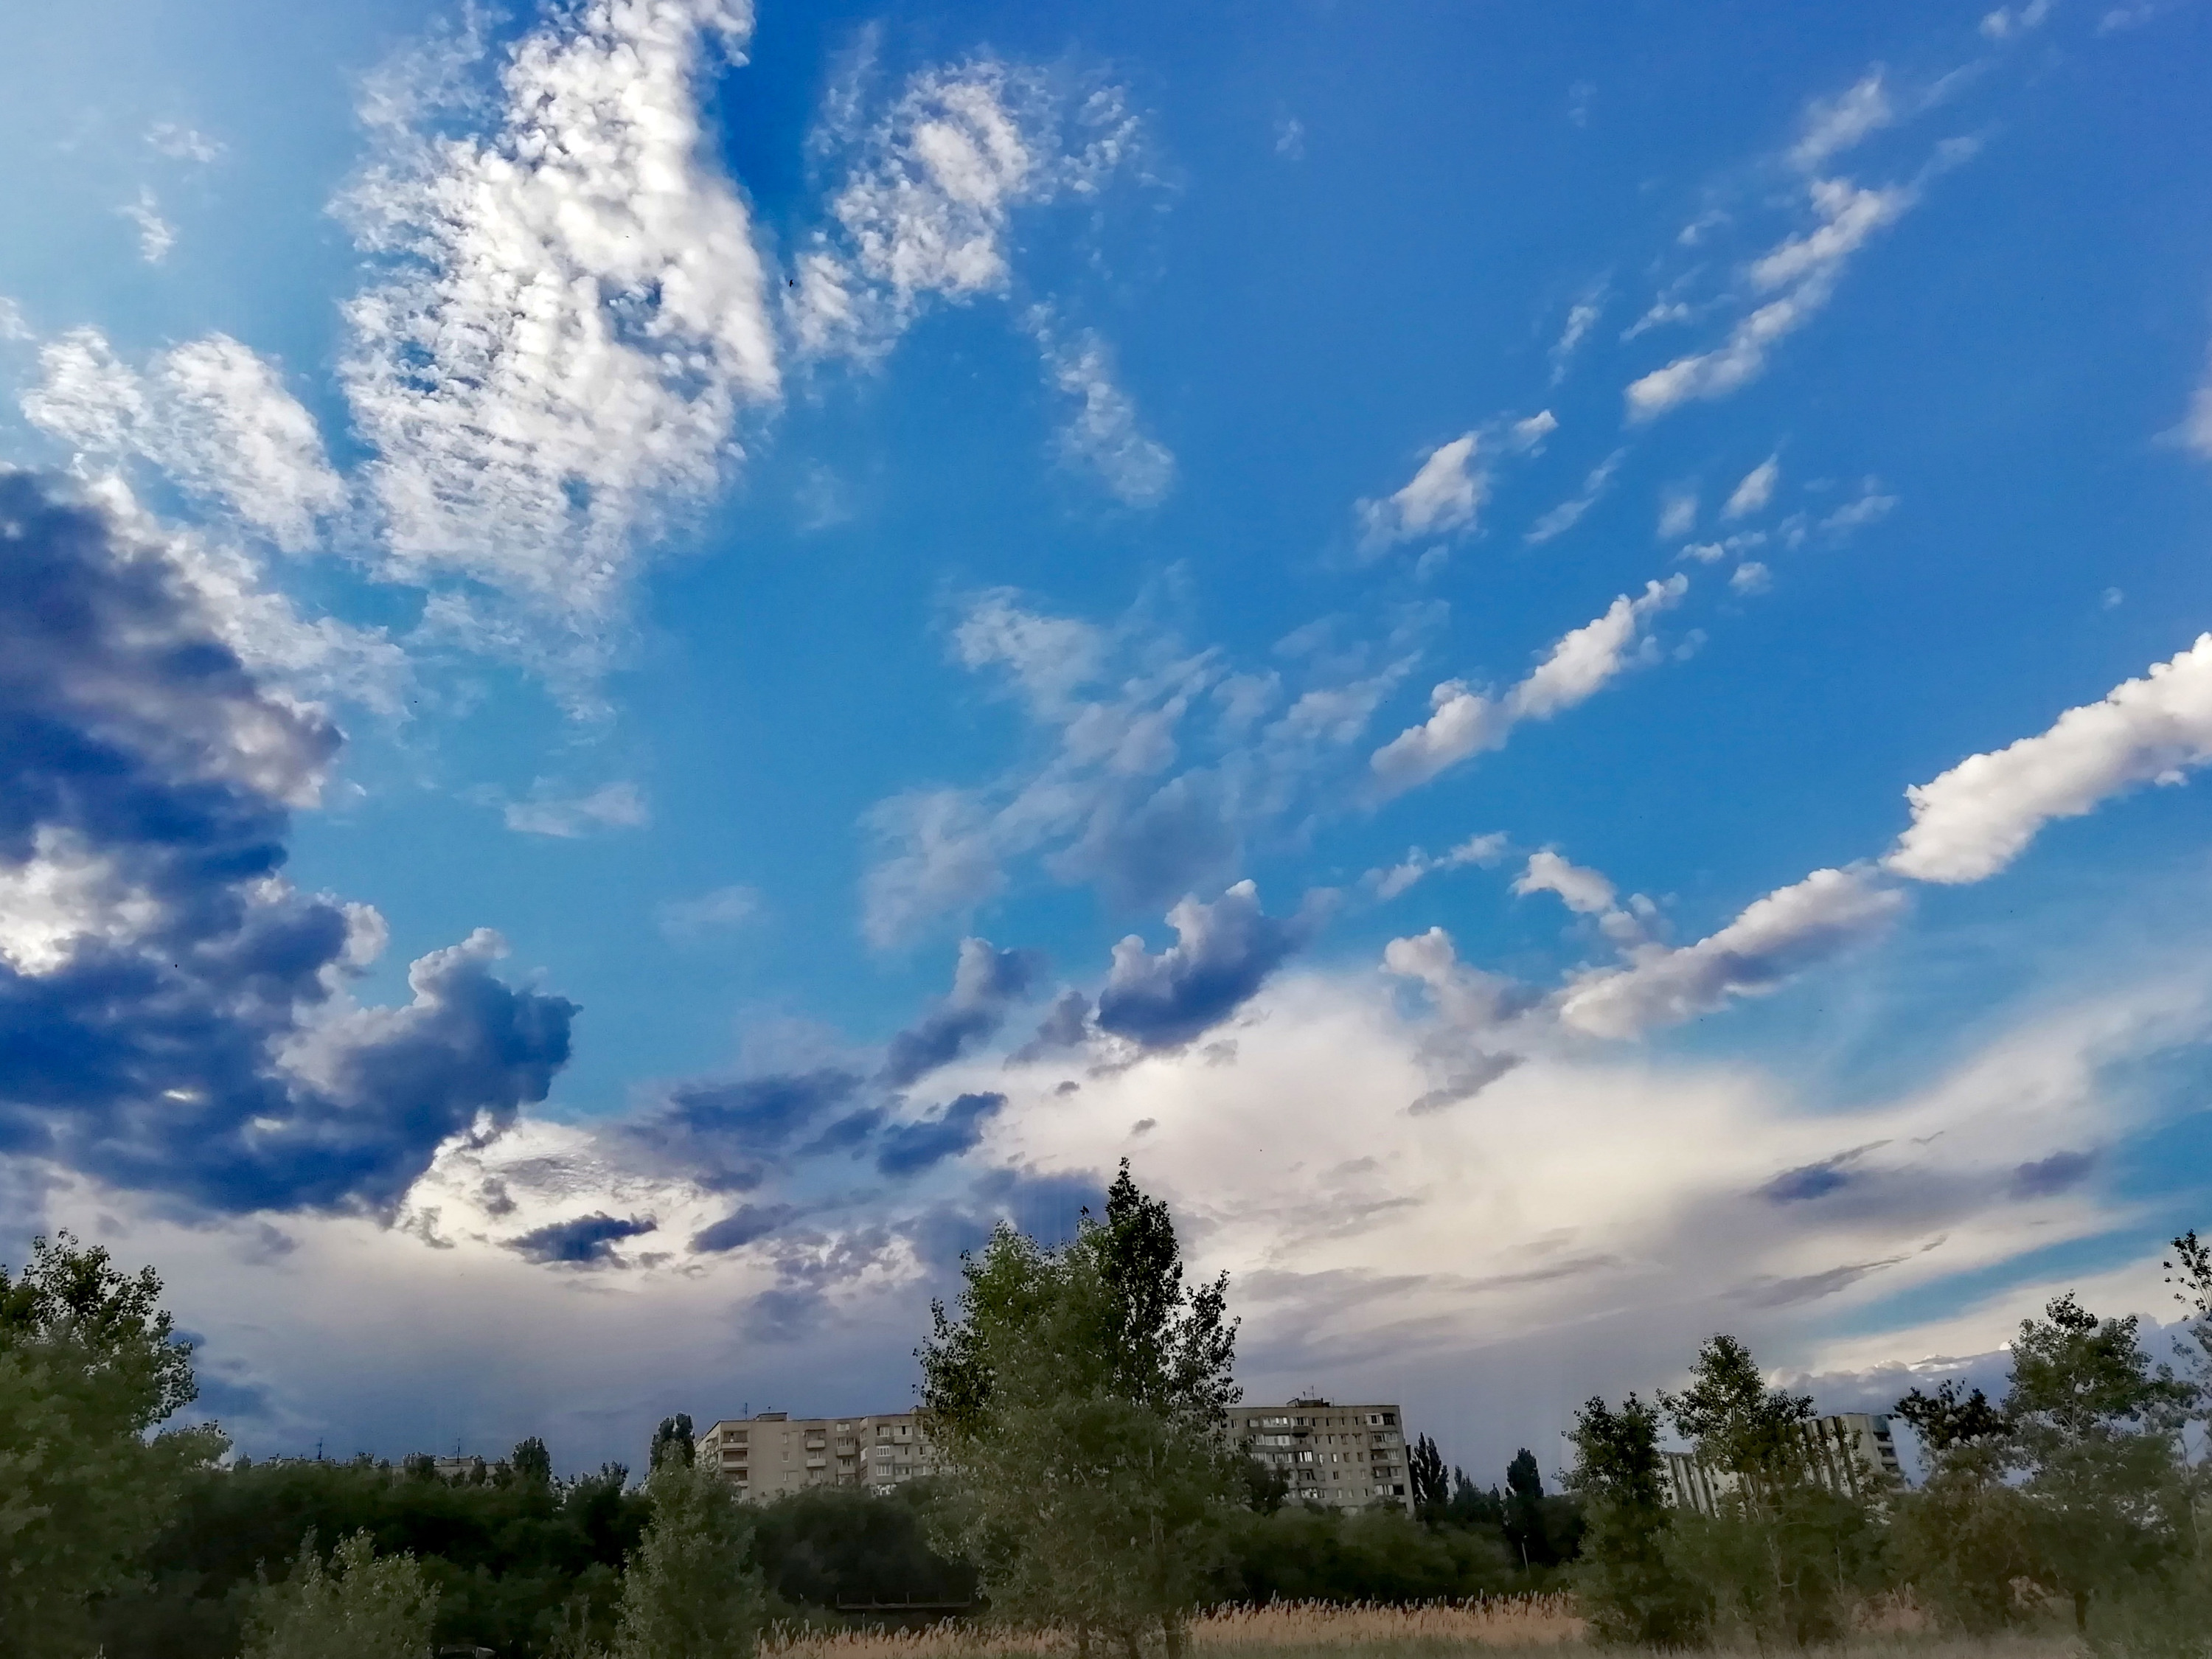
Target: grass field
x,y
1312,1630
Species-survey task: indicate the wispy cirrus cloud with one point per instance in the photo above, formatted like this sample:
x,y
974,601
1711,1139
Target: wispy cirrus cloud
x,y
211,414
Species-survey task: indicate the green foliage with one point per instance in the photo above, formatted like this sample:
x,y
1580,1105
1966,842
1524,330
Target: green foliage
x,y
362,1606
1786,1556
89,1362
1306,1553
691,1591
506,1555
1965,1539
531,1463
1630,1588
828,1547
1080,1396
673,1438
1424,1468
2096,1427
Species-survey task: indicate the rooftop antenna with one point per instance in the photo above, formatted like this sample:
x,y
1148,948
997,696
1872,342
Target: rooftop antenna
x,y
318,1451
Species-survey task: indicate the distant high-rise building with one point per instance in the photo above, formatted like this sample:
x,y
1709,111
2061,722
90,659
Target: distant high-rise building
x,y
1853,1453
771,1453
1346,1457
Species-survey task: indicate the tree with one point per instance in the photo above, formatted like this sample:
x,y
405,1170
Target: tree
x,y
673,1437
1425,1464
1081,1396
1786,1550
89,1362
1629,1586
1964,1540
1524,1510
2096,1427
365,1606
691,1591
531,1463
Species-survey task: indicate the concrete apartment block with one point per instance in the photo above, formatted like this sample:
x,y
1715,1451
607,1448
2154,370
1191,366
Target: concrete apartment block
x,y
1852,1452
771,1453
1346,1457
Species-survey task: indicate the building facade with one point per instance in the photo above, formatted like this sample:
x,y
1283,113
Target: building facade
x,y
1343,1455
1853,1453
772,1453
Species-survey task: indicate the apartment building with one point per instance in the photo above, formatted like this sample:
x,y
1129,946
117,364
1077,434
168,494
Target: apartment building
x,y
1852,1452
771,1453
1346,1457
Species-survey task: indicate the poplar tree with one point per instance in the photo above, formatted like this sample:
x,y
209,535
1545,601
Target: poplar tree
x,y
1079,1395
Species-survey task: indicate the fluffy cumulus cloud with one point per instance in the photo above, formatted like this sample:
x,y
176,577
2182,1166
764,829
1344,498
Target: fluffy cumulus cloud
x,y
1223,952
1755,491
1980,816
211,414
985,983
570,316
1834,125
178,1010
1484,850
1441,499
930,188
1776,937
1464,722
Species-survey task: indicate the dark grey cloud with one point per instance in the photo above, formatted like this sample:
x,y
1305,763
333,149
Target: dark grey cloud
x,y
587,1241
743,1227
1812,1181
1065,1024
985,983
909,1148
1480,1071
2050,1175
1772,1292
148,775
728,1134
1223,952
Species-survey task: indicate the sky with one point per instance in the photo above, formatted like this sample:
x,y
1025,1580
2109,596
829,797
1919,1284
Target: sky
x,y
657,661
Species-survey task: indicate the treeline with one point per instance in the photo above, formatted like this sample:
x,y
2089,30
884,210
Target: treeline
x,y
2073,1500
142,1545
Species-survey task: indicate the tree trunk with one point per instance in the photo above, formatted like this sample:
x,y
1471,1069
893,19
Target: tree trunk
x,y
1171,1632
1132,1644
2081,1610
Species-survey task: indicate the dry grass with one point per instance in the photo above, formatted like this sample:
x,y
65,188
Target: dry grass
x,y
1318,1630
1280,1627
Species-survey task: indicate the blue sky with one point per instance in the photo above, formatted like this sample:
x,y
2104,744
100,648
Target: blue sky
x,y
667,659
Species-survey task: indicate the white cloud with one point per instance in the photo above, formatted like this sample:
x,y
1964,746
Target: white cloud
x,y
210,413
1850,213
1870,507
573,317
156,235
1756,490
12,325
1290,139
182,143
1102,434
1583,891
1806,268
719,911
1151,761
1678,513
1750,577
930,193
1581,316
1569,513
1776,937
1835,124
2197,426
618,805
1442,498
1977,817
2007,21
1483,850
1464,722
1526,437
